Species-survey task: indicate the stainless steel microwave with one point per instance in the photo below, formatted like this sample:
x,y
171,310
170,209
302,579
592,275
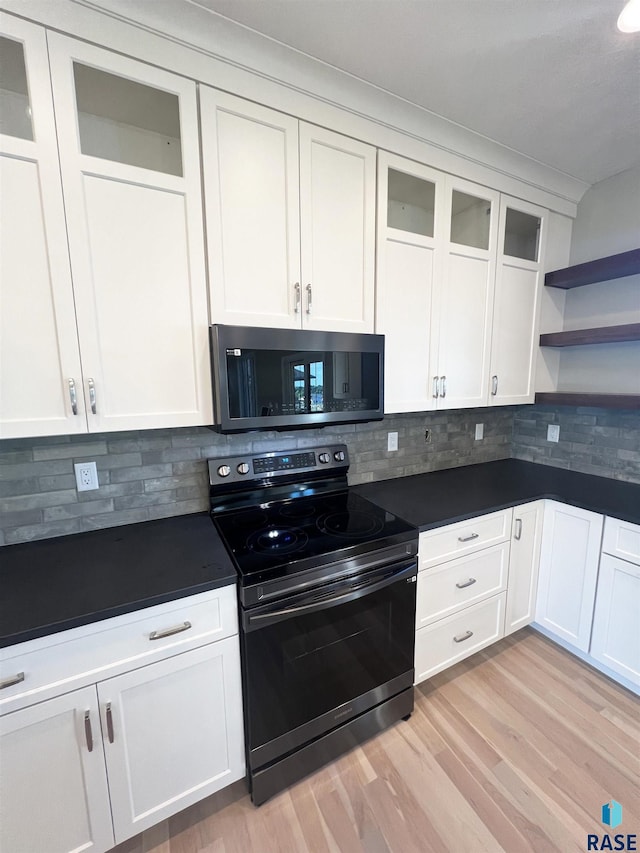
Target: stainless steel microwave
x,y
277,379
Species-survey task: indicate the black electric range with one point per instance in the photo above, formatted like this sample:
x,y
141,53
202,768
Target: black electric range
x,y
327,590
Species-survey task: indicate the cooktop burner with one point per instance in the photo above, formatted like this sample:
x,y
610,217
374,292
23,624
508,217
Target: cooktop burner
x,y
280,537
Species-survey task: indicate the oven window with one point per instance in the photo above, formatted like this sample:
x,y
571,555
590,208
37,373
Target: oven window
x,y
308,665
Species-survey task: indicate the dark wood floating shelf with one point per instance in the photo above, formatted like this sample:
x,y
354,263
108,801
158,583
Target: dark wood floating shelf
x,y
604,269
585,398
602,335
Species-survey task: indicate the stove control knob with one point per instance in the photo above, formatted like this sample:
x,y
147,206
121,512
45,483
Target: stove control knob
x,y
242,468
224,471
339,455
324,458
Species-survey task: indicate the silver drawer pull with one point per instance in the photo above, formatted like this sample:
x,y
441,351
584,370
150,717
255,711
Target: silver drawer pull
x,y
468,538
436,393
87,731
462,637
296,291
177,629
518,531
464,585
9,682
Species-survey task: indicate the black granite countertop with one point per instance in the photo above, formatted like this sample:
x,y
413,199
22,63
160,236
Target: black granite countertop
x,y
454,494
56,584
61,583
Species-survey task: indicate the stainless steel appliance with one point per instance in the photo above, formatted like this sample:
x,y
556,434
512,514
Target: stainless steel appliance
x,y
327,593
289,378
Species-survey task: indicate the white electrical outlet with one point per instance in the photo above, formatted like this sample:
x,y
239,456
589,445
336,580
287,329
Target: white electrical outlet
x,y
392,441
553,432
479,432
86,476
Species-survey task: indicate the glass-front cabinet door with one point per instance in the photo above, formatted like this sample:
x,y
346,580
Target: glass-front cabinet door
x,y
40,378
516,313
465,297
410,231
130,161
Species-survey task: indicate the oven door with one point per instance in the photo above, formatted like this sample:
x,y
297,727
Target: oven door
x,y
319,659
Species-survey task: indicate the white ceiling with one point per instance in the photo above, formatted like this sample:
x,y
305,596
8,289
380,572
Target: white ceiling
x,y
552,79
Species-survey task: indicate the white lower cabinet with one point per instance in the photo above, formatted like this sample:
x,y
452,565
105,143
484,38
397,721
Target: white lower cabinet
x,y
97,765
53,782
615,639
524,561
454,638
461,602
569,559
170,734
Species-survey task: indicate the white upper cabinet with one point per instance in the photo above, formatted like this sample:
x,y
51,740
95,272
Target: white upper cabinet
x,y
410,223
251,176
465,298
516,311
337,224
39,356
129,154
290,220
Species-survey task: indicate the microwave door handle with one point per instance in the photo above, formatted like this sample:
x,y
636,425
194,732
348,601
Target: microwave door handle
x,y
263,620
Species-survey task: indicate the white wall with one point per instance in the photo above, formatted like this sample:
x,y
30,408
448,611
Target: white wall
x,y
608,222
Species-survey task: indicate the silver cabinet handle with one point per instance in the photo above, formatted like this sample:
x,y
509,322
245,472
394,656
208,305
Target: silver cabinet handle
x,y
462,637
298,297
518,532
464,585
14,679
92,395
88,734
73,396
494,386
435,387
168,632
468,538
309,299
443,386
109,716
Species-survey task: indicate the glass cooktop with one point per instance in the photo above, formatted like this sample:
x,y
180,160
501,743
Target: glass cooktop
x,y
282,538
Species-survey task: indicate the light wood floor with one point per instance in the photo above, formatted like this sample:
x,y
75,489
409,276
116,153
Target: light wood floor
x,y
514,750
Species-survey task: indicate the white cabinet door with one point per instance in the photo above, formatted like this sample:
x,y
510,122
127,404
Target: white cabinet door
x,y
172,734
410,222
129,153
516,309
524,563
615,640
337,216
251,188
568,572
464,300
53,785
39,356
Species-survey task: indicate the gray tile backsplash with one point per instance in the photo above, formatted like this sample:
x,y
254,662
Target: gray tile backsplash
x,y
160,473
594,441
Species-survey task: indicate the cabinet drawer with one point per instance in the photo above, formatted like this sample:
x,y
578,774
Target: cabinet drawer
x,y
69,660
622,539
450,640
446,589
464,537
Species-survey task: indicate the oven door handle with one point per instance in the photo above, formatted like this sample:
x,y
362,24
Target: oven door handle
x,y
261,620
